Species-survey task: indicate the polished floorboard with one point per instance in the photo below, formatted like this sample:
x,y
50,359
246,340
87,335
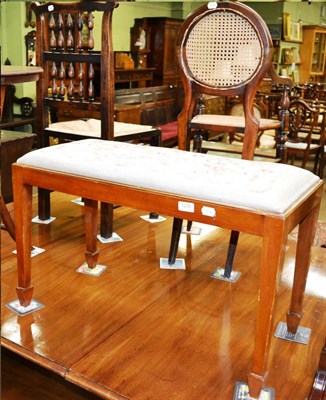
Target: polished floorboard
x,y
143,333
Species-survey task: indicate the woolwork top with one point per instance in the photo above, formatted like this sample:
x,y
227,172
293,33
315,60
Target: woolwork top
x,y
92,127
232,120
246,184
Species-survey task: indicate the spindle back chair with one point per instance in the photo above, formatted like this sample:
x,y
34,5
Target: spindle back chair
x,y
65,50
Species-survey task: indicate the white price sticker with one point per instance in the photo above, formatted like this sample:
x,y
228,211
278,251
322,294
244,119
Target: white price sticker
x,y
186,207
208,211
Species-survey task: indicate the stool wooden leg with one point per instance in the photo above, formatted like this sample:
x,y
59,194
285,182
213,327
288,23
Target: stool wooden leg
x,y
273,252
91,252
23,216
305,240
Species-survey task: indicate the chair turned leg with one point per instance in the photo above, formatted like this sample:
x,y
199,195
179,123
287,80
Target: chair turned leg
x,y
44,208
305,240
189,225
176,231
91,253
106,225
231,253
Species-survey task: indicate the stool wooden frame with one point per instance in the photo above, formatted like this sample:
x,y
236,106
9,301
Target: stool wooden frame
x,y
272,227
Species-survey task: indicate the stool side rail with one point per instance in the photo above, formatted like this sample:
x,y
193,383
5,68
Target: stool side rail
x,y
273,228
224,216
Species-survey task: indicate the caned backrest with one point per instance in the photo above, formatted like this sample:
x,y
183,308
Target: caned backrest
x,y
65,51
223,49
224,46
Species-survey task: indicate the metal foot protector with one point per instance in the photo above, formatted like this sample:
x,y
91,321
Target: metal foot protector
x,y
192,231
20,310
114,238
96,271
152,220
302,336
78,201
219,273
241,392
37,220
34,251
178,264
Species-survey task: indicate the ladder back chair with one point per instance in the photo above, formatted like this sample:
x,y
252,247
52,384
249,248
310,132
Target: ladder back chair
x,y
225,49
303,123
65,51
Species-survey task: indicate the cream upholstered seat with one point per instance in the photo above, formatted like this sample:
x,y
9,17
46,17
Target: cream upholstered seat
x,y
266,137
263,185
92,128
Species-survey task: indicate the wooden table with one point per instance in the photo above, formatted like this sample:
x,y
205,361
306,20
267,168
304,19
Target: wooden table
x,y
11,74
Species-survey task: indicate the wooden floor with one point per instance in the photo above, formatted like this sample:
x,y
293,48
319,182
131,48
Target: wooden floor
x,y
142,333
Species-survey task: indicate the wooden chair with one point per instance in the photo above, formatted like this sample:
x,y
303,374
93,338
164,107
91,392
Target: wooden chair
x,y
310,91
303,123
64,49
234,60
232,142
225,49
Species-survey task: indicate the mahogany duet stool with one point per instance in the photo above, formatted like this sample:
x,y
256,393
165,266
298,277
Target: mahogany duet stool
x,y
260,198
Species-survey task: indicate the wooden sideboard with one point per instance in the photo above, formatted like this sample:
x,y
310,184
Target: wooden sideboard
x,y
136,77
159,47
126,78
129,113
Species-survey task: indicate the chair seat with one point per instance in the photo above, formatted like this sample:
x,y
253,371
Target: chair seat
x,y
92,128
301,146
315,137
169,130
265,186
265,142
232,121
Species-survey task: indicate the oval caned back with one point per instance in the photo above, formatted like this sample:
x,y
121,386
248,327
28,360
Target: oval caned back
x,y
223,50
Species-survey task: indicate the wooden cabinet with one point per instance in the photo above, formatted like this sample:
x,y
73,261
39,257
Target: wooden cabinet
x,y
214,105
163,32
313,54
136,77
13,146
129,113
